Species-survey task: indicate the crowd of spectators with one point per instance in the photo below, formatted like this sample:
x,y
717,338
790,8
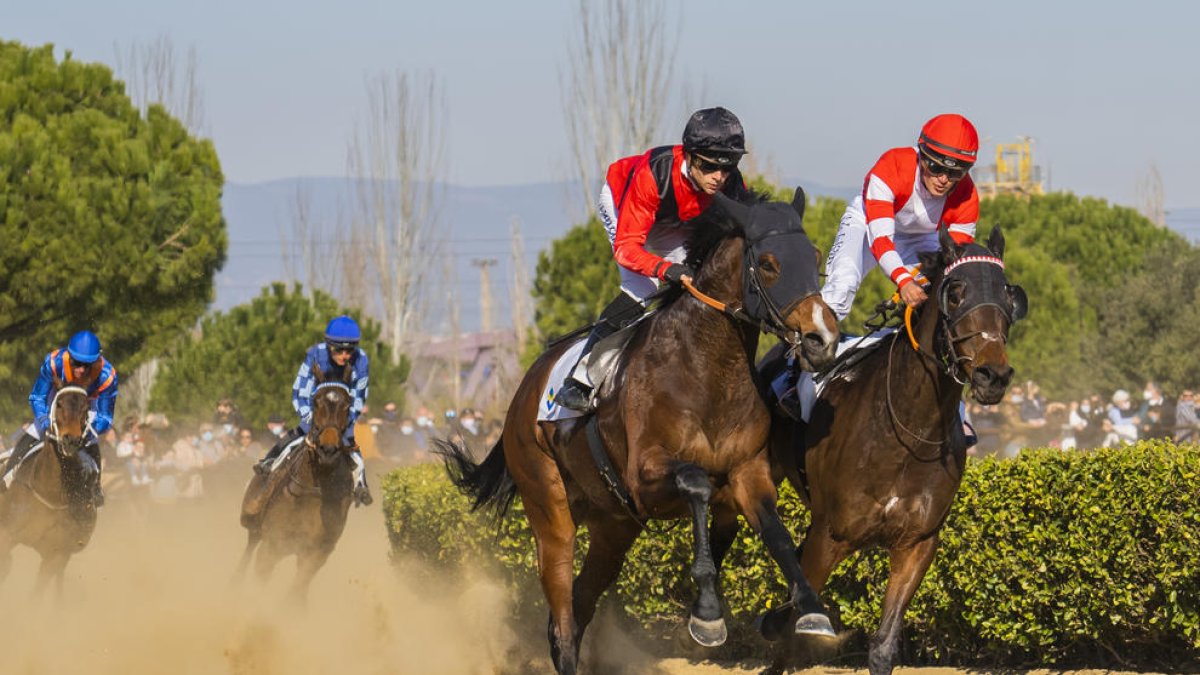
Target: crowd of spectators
x,y
1025,419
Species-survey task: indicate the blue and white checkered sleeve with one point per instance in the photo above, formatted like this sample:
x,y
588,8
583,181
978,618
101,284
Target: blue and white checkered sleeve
x,y
302,391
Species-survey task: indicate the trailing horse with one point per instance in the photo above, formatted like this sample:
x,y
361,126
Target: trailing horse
x,y
679,426
882,455
300,508
48,507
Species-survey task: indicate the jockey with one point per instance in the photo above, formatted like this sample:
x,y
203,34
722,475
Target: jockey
x,y
80,361
906,197
645,204
338,352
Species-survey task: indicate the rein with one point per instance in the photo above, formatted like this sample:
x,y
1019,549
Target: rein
x,y
792,338
52,432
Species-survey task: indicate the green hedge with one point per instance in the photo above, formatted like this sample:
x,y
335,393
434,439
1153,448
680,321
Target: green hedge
x,y
1051,559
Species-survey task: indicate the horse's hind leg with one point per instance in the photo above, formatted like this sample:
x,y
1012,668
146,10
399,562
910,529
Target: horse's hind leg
x,y
252,538
908,567
756,498
705,624
52,569
307,566
609,541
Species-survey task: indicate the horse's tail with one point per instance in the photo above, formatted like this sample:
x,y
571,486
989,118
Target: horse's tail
x,y
488,483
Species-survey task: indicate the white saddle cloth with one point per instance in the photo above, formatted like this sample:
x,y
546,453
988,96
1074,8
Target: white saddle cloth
x,y
548,410
808,390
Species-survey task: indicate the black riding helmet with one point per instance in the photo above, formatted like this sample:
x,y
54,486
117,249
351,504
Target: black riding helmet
x,y
716,134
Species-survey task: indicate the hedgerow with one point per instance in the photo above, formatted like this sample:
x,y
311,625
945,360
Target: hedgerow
x,y
1052,558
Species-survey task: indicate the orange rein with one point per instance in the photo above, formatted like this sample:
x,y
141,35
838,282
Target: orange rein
x,y
711,302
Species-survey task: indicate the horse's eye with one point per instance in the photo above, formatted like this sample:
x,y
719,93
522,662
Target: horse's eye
x,y
768,263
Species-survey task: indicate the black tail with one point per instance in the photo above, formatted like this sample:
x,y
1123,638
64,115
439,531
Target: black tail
x,y
488,483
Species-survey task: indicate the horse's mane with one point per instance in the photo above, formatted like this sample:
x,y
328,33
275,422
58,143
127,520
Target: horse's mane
x,y
713,226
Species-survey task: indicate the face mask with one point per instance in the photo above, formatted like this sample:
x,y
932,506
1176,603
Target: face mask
x,y
1015,398
422,421
207,436
374,428
1147,395
277,430
1085,408
406,430
470,425
228,428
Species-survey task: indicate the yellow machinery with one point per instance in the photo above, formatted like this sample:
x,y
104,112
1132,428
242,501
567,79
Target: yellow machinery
x,y
1013,172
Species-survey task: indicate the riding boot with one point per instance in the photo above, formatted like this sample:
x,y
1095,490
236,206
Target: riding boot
x,y
361,494
263,466
622,311
24,444
93,476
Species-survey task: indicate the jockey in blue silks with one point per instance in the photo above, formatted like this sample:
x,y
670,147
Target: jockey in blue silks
x,y
79,364
333,356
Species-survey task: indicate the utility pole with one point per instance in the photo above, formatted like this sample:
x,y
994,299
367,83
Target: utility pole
x,y
485,291
519,291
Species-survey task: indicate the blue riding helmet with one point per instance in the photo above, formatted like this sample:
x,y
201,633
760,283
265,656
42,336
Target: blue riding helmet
x,y
343,330
84,347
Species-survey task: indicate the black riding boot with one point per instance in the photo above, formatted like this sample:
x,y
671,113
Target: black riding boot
x,y
24,444
93,478
621,312
263,466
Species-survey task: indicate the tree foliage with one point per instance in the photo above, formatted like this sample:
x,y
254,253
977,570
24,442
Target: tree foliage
x,y
111,221
575,280
252,352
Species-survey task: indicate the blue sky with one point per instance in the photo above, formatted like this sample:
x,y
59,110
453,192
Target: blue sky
x,y
1104,87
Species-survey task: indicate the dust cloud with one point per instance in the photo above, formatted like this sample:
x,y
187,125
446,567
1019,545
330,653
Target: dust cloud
x,y
152,593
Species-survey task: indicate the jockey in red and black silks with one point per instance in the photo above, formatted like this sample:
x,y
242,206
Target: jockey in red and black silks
x,y
645,205
78,364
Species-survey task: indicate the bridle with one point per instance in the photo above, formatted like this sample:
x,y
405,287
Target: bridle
x,y
314,434
53,433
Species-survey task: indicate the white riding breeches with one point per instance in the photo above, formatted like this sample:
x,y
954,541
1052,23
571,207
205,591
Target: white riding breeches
x,y
850,259
360,469
665,241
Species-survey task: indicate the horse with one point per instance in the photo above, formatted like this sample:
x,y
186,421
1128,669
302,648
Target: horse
x,y
681,419
882,455
49,506
301,507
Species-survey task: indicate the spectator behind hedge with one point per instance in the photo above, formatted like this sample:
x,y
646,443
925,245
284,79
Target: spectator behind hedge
x,y
1123,418
1187,425
1157,414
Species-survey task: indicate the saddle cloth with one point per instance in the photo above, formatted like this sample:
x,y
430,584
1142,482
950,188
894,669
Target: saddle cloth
x,y
807,388
8,477
548,410
283,455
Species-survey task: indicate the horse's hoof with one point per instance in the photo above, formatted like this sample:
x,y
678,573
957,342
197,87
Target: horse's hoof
x,y
815,624
708,633
772,624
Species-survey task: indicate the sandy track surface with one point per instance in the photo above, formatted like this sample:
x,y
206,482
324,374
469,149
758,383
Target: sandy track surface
x,y
152,594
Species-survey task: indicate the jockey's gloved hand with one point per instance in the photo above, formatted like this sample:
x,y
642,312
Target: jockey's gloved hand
x,y
42,423
676,272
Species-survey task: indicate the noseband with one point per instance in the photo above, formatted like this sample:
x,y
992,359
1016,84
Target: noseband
x,y
977,277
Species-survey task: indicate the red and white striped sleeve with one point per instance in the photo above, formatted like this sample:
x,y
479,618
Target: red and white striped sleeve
x,y
635,217
890,182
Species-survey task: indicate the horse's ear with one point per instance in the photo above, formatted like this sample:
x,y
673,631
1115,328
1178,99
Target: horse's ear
x,y
995,242
736,210
799,202
950,251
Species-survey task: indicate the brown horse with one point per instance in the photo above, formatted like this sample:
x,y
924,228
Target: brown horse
x,y
49,506
304,501
883,452
681,426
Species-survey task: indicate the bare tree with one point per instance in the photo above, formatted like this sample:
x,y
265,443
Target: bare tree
x,y
518,292
621,62
154,73
396,162
1150,196
304,245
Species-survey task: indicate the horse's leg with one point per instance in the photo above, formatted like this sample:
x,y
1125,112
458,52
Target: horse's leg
x,y
819,554
609,542
908,567
308,563
6,546
51,569
756,497
705,624
266,560
253,536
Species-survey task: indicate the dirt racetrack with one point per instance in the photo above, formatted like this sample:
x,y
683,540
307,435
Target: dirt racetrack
x,y
152,594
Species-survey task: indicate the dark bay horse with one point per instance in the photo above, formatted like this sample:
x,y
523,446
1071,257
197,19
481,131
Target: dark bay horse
x,y
682,423
49,506
305,500
883,453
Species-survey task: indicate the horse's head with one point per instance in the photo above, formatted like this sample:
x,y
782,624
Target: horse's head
x,y
69,417
779,271
331,403
977,307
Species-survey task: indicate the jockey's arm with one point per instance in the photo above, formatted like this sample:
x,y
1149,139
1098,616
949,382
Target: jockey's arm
x,y
39,396
302,390
106,404
634,220
361,373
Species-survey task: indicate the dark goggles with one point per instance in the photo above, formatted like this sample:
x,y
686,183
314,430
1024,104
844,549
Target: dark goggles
x,y
705,165
343,347
936,168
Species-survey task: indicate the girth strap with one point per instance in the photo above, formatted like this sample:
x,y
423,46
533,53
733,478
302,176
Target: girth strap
x,y
607,471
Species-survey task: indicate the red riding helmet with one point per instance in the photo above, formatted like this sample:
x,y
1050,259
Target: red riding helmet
x,y
950,140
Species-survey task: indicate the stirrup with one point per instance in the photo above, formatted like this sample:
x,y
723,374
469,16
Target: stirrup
x,y
263,467
362,495
574,395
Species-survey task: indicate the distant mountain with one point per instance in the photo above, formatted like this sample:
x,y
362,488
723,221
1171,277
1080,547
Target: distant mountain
x,y
474,220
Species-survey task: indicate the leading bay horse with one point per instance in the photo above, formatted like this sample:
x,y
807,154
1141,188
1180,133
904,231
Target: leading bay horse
x,y
681,423
883,452
49,506
300,508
